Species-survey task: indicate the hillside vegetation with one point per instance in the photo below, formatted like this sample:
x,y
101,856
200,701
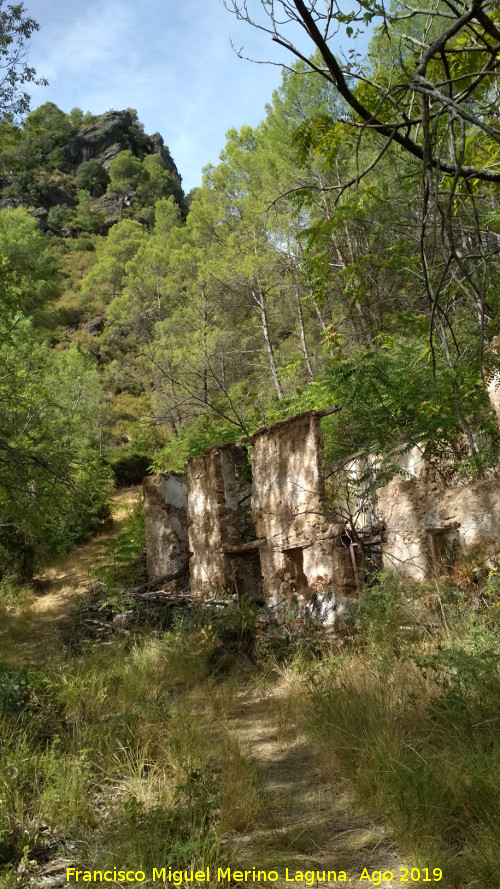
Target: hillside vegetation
x,y
372,753
289,284
345,251
271,290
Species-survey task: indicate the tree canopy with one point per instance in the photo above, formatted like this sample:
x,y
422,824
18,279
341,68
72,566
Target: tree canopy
x,y
319,262
431,76
16,29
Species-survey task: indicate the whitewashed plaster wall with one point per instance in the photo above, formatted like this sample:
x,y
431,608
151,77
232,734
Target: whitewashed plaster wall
x,y
165,524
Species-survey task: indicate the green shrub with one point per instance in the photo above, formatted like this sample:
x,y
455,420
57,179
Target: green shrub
x,y
129,468
92,177
15,596
14,689
59,217
121,558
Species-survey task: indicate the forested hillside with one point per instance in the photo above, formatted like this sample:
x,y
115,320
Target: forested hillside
x,y
299,274
321,261
345,251
77,196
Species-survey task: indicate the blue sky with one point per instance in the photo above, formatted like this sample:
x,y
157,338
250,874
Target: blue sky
x,y
170,59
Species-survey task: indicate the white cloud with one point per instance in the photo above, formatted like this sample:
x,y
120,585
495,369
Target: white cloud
x,y
170,60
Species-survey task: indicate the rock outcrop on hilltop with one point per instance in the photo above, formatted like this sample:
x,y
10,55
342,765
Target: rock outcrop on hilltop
x,y
103,138
110,134
42,170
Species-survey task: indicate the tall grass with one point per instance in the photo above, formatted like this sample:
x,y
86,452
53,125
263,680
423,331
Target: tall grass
x,y
123,752
413,724
15,597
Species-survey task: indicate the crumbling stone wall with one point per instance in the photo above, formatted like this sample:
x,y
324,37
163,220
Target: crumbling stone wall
x,y
301,549
165,523
428,525
261,528
493,390
217,486
493,385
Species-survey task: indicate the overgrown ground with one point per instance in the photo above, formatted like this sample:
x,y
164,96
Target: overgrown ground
x,y
30,616
379,752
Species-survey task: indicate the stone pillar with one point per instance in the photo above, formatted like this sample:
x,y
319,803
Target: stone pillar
x,y
302,552
217,486
165,522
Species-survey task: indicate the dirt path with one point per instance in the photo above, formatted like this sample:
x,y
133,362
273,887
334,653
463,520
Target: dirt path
x,y
306,823
32,636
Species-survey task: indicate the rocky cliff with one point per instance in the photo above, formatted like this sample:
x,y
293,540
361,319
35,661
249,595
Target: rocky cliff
x,y
41,168
113,132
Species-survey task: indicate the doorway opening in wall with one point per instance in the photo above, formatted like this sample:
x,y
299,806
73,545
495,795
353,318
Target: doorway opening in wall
x,y
245,572
294,566
246,526
243,474
444,548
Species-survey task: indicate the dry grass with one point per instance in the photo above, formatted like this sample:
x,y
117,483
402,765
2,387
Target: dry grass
x,y
30,617
137,755
417,743
305,822
134,754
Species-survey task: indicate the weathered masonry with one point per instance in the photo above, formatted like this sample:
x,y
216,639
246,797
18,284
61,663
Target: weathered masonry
x,y
165,523
301,545
258,523
428,525
252,518
220,526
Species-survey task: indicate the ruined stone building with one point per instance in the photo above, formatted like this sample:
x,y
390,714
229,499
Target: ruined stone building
x,y
252,518
256,522
428,525
301,546
165,524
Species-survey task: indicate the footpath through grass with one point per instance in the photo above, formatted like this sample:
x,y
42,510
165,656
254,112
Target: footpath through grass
x,y
31,614
378,751
410,716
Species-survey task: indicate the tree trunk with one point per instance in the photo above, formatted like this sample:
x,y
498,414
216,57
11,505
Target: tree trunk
x,y
305,352
258,298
